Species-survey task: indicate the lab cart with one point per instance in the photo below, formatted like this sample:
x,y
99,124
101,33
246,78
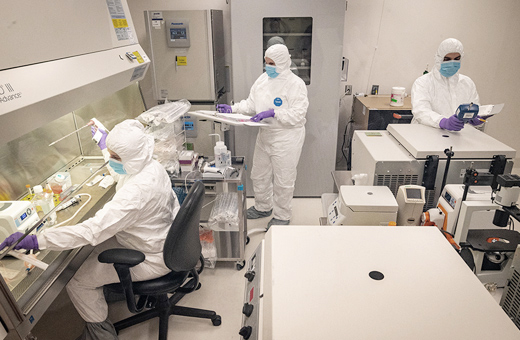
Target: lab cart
x,y
230,244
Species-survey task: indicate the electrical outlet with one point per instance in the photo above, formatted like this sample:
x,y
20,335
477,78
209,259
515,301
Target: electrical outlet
x,y
375,89
348,90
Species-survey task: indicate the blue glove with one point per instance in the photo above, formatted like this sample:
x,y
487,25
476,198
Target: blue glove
x,y
263,115
103,141
29,242
224,108
476,121
452,123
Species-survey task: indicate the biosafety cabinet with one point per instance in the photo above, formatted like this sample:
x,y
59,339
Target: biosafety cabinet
x,y
61,66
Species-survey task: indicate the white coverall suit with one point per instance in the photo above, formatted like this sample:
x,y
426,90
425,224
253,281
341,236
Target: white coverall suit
x,y
278,146
138,217
434,96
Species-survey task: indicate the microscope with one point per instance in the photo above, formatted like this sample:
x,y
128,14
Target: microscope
x,y
488,252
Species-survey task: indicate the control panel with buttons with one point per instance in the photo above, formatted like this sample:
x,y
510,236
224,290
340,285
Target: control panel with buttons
x,y
251,310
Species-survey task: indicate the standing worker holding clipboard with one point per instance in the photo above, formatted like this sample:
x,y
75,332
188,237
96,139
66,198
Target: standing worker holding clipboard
x,y
278,98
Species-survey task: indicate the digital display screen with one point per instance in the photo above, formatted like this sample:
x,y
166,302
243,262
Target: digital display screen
x,y
413,193
23,216
336,211
177,33
449,199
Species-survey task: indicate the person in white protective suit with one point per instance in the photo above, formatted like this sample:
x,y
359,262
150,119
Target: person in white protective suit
x,y
279,40
138,217
279,98
437,95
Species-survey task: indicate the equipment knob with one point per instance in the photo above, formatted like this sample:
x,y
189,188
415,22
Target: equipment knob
x,y
250,275
246,331
247,310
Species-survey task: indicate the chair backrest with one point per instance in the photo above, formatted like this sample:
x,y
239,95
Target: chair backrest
x,y
182,247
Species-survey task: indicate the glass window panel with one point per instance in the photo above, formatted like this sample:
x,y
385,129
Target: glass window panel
x,y
296,34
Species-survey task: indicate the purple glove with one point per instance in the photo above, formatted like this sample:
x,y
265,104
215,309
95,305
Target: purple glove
x,y
29,242
263,115
476,121
224,108
452,123
103,141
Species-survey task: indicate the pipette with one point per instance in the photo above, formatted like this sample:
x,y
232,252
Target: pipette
x,y
62,138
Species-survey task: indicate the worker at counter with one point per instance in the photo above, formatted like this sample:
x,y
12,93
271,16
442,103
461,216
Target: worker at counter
x,y
279,98
437,95
138,217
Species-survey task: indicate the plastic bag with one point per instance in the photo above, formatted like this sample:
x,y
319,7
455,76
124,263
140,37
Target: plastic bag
x,y
164,123
209,249
224,215
165,113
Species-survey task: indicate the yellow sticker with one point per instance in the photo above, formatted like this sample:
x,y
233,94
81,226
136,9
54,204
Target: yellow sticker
x,y
182,61
139,58
119,23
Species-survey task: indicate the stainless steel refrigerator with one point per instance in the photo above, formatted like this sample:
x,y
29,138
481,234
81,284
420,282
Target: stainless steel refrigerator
x,y
187,52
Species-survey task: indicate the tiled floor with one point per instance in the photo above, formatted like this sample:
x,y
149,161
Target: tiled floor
x,y
222,290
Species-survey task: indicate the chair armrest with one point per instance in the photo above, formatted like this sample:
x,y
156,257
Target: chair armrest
x,y
128,257
123,260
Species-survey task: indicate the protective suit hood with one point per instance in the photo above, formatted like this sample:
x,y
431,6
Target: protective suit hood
x,y
449,45
281,57
130,142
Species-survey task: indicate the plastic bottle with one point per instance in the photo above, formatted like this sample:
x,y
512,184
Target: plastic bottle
x,y
43,199
38,199
222,155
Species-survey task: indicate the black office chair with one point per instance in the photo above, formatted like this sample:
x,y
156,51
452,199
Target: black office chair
x,y
182,254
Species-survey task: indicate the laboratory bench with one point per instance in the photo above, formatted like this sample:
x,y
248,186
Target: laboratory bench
x,y
25,296
230,242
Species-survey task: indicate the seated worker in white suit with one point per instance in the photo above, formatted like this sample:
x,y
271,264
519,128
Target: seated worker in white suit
x,y
138,217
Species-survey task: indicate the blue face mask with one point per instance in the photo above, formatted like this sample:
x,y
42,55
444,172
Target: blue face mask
x,y
117,166
271,71
449,68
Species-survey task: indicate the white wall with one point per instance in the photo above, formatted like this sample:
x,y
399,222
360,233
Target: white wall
x,y
390,42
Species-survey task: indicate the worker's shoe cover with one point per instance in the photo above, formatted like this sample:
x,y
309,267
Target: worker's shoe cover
x,y
253,214
275,221
99,331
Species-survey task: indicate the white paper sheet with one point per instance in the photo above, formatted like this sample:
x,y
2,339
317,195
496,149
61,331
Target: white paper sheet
x,y
486,111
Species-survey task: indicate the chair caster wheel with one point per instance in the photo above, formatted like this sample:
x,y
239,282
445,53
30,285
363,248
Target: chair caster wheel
x,y
198,286
241,265
216,320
